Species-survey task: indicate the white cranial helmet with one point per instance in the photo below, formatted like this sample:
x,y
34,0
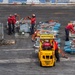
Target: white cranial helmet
x,y
33,14
46,40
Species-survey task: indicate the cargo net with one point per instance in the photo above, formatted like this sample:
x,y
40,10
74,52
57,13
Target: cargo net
x,y
7,42
73,44
71,35
22,28
45,26
49,27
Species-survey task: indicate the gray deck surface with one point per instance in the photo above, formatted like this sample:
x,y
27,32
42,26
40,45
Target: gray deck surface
x,y
20,59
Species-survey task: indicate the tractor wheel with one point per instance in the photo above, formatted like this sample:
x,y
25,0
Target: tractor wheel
x,y
40,64
54,64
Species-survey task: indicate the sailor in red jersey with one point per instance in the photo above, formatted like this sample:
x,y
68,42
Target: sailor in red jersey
x,y
69,27
33,22
14,22
9,20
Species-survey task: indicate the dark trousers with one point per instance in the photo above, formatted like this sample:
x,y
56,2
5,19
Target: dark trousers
x,y
57,55
32,29
67,34
9,28
13,27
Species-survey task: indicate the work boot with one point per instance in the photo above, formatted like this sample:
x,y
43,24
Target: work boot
x,y
65,57
57,60
33,40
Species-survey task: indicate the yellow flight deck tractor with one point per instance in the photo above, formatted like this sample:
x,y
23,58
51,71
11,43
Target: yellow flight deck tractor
x,y
46,55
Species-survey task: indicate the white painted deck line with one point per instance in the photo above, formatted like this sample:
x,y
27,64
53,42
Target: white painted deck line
x,y
26,60
16,49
